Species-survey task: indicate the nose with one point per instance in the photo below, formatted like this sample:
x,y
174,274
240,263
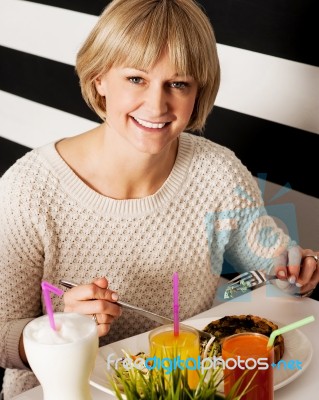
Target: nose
x,y
156,101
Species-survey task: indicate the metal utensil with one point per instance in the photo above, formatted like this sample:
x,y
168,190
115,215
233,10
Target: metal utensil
x,y
148,314
245,282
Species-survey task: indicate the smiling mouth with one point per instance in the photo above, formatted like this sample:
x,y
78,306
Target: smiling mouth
x,y
151,125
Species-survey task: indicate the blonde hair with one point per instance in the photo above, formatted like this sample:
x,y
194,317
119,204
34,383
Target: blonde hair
x,y
135,33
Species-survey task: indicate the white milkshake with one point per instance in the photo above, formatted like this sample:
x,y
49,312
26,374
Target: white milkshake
x,y
62,360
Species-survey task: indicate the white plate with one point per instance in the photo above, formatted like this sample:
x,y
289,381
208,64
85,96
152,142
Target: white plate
x,y
297,347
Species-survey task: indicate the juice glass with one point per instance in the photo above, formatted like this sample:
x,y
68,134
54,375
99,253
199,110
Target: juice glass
x,y
247,353
170,352
62,360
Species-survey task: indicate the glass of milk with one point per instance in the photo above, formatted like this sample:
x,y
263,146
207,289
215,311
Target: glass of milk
x,y
62,360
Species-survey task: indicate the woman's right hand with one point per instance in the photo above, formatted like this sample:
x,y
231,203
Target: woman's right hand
x,y
94,299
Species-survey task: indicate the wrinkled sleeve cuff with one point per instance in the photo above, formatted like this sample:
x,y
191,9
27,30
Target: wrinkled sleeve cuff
x,y
12,343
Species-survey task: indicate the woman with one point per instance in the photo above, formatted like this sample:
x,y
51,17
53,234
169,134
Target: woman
x,y
137,198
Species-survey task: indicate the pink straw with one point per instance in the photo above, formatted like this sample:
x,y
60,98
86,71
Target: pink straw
x,y
175,304
46,289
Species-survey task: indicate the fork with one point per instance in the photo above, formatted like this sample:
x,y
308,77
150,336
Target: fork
x,y
148,314
247,281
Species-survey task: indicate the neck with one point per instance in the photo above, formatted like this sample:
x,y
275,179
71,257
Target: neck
x,y
128,174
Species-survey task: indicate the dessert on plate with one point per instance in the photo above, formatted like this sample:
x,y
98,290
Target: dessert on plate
x,y
233,324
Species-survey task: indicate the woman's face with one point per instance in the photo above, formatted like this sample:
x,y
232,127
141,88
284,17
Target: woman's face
x,y
148,109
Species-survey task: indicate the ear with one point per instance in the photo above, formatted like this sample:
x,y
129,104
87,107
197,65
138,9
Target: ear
x,y
99,85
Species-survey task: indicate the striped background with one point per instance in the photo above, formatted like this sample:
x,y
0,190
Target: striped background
x,y
267,109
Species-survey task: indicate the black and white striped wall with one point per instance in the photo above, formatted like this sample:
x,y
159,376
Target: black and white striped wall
x,y
267,109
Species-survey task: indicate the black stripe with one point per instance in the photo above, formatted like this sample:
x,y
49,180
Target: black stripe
x,y
93,7
286,28
254,140
44,81
285,154
10,152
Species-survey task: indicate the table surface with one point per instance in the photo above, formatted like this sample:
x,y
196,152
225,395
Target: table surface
x,y
274,306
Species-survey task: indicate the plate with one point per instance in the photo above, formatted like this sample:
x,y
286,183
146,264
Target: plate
x,y
297,347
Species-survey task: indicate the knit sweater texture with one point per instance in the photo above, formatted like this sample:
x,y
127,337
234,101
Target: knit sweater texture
x,y
53,226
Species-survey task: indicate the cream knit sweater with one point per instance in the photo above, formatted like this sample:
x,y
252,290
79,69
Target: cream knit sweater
x,y
53,226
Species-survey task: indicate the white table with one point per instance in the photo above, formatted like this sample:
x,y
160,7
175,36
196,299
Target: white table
x,y
278,308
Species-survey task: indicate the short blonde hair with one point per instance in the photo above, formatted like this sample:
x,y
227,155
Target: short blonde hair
x,y
135,33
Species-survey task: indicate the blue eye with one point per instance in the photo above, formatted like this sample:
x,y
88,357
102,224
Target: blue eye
x,y
135,79
179,85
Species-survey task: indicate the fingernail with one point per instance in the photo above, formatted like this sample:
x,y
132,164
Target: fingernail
x,y
282,274
115,296
292,279
298,284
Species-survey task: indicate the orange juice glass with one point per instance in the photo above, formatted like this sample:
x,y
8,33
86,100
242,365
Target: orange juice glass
x,y
248,352
171,352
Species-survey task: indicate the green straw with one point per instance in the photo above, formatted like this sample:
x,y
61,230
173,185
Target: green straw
x,y
287,328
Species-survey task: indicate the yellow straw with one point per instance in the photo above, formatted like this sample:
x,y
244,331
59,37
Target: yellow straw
x,y
287,328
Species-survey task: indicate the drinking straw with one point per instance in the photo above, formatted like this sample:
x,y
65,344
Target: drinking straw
x,y
46,289
287,328
175,304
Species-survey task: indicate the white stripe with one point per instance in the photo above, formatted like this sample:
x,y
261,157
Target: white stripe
x,y
32,124
45,31
271,88
256,84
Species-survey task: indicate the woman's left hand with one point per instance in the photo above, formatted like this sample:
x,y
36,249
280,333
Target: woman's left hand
x,y
300,267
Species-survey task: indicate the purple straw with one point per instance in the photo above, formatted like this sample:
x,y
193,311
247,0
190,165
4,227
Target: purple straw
x,y
175,304
46,289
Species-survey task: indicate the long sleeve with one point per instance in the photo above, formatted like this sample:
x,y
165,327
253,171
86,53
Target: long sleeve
x,y
239,229
21,260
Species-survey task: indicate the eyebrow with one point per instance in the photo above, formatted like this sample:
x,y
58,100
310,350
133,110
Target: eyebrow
x,y
172,77
137,69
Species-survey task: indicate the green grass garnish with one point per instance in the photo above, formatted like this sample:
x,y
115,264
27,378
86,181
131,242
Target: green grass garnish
x,y
159,385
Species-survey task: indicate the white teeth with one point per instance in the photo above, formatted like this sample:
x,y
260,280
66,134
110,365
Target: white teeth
x,y
149,124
